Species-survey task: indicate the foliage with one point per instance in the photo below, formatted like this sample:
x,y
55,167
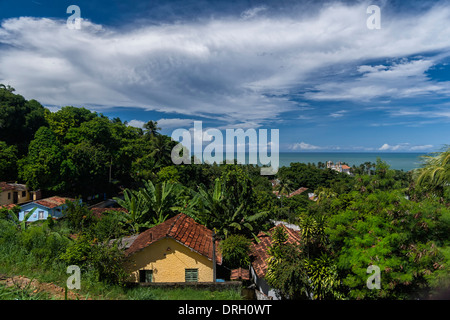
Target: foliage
x,y
19,119
385,229
236,251
435,173
22,225
44,159
78,216
286,267
151,204
8,161
229,207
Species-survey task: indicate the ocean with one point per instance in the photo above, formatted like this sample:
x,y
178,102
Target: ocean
x,y
398,161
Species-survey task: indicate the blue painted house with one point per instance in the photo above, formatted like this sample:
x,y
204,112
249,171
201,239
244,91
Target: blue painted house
x,y
53,207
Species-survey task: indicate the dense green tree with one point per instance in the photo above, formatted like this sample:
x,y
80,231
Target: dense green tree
x,y
40,169
8,162
385,229
236,251
66,118
19,119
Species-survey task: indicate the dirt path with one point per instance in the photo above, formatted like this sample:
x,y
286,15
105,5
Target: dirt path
x,y
53,290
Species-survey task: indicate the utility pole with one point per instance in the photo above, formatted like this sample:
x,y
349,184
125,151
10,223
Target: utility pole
x,y
214,255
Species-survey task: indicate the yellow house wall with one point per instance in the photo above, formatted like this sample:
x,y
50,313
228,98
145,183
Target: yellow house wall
x,y
169,266
4,197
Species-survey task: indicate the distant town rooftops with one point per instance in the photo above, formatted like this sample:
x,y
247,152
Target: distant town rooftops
x,y
338,167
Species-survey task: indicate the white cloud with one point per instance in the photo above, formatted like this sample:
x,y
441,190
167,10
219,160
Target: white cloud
x,y
404,79
175,123
338,114
250,13
136,123
405,147
239,70
304,146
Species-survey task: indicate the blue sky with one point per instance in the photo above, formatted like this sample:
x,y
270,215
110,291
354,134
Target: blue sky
x,y
311,69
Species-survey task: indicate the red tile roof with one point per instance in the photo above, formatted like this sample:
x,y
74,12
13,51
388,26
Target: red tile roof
x,y
296,192
259,250
12,186
344,166
240,273
53,202
8,206
182,229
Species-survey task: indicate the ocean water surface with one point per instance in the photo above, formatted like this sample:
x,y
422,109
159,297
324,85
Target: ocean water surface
x,y
398,160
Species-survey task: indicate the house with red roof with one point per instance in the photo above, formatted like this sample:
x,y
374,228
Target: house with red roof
x,y
48,207
177,250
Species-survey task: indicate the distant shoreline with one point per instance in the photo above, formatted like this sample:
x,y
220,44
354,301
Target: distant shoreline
x,y
405,161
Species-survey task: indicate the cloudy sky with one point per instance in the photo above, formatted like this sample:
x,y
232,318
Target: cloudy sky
x,y
312,69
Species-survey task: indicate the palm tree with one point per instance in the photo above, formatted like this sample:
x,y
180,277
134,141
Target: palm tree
x,y
284,187
7,87
323,278
324,193
152,128
435,173
162,148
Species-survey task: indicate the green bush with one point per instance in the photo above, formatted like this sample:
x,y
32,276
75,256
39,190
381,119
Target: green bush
x,y
235,251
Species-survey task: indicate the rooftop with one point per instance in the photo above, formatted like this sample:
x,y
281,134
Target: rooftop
x,y
4,186
53,202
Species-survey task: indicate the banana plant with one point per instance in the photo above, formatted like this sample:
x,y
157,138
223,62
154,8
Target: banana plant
x,y
22,225
215,211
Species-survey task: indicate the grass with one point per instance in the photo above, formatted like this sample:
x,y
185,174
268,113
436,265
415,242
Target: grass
x,y
17,293
146,293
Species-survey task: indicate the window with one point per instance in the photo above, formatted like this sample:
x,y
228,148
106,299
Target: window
x,y
9,195
145,275
41,214
24,193
191,275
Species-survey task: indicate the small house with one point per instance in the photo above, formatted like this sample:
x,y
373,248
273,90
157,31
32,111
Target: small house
x,y
16,193
48,207
177,250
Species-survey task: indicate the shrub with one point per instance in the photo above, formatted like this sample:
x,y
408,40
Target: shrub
x,y
235,251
